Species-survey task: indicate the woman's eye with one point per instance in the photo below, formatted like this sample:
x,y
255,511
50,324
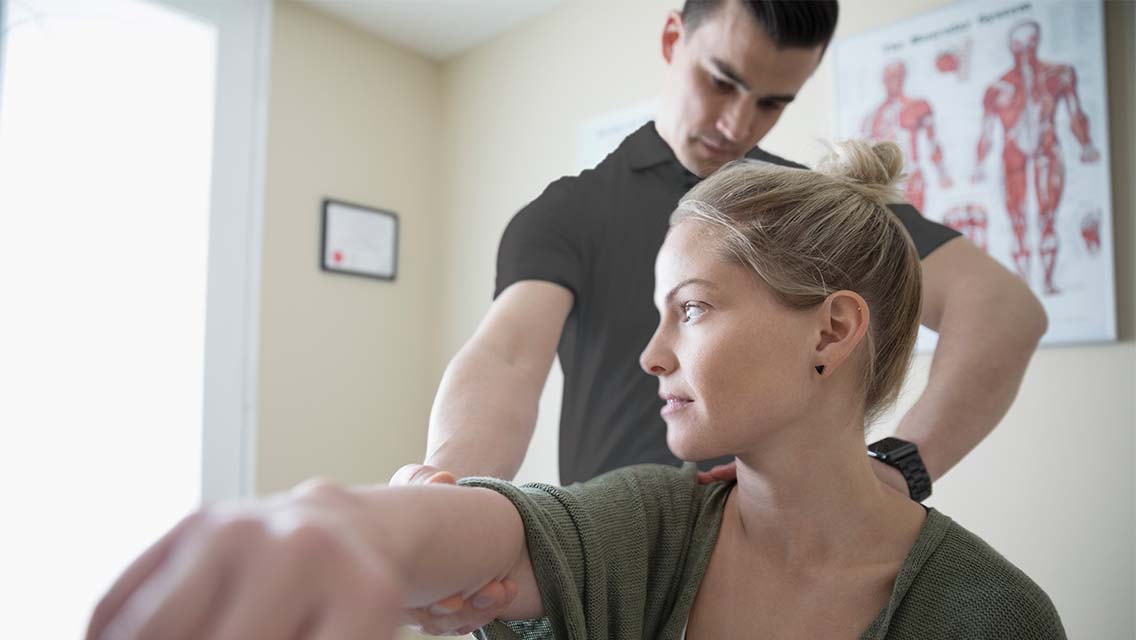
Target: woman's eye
x,y
691,311
721,84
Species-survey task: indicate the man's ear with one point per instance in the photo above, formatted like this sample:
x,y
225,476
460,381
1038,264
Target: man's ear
x,y
844,318
672,33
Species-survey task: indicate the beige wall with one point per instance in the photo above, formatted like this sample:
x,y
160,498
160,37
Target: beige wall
x,y
347,370
349,366
1052,488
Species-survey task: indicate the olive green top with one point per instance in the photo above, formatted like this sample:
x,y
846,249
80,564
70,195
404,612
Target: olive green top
x,y
622,557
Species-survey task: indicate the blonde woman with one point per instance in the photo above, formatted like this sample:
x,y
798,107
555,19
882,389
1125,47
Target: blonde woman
x,y
788,302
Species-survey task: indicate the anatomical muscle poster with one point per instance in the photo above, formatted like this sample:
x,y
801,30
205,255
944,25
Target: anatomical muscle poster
x,y
1000,108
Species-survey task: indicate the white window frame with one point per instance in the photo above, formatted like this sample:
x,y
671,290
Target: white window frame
x,y
232,325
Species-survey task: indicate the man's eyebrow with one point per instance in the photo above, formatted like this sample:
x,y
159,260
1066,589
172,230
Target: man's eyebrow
x,y
725,69
688,281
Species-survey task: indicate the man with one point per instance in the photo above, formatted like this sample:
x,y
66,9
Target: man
x,y
575,274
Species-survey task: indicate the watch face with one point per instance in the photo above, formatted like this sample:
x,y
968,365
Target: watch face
x,y
892,448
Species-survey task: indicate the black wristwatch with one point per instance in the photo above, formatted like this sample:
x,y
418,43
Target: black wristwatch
x,y
904,456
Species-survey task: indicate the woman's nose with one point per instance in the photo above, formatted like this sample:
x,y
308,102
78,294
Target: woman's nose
x,y
655,360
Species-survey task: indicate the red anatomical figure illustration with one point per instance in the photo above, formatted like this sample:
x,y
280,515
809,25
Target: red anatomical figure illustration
x,y
903,120
1025,100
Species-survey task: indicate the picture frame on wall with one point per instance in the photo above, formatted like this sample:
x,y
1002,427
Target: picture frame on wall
x,y
358,240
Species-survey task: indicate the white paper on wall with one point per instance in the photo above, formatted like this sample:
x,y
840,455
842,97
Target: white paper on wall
x,y
1000,107
600,135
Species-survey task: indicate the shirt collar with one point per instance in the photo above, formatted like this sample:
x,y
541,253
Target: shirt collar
x,y
647,148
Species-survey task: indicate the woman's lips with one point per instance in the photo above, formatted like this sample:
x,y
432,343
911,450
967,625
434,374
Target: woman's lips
x,y
674,404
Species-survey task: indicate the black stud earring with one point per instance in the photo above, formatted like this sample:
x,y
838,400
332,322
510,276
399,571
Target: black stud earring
x,y
820,369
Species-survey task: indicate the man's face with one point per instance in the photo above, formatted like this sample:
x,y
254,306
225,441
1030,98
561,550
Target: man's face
x,y
727,84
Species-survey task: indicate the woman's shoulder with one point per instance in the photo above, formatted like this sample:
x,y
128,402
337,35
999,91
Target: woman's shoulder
x,y
662,480
967,589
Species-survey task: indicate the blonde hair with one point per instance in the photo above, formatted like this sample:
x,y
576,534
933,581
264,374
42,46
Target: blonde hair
x,y
807,234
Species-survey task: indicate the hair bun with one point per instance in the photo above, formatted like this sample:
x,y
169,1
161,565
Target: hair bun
x,y
878,165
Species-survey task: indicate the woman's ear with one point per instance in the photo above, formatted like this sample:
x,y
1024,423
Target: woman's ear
x,y
844,318
672,33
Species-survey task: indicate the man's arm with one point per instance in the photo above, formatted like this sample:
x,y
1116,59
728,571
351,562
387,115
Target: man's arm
x,y
989,324
486,407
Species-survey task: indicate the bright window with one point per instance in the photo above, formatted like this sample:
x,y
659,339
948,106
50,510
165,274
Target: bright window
x,y
106,133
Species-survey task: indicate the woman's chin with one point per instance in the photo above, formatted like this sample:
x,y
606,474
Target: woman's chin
x,y
686,448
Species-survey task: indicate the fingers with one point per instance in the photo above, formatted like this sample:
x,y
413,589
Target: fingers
x,y
720,473
413,474
442,477
455,616
134,575
448,606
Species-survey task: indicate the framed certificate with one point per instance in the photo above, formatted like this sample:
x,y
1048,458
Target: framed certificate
x,y
358,240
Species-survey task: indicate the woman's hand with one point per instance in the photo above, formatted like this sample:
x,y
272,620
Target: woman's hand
x,y
296,566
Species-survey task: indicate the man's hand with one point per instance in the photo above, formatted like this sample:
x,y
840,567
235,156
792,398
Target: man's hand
x,y
454,615
891,477
721,473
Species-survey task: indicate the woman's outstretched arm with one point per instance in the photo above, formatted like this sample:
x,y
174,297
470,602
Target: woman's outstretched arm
x,y
320,562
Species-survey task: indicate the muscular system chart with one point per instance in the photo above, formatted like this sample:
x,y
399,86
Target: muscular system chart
x,y
1000,108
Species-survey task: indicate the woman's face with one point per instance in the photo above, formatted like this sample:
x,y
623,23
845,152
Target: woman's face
x,y
733,363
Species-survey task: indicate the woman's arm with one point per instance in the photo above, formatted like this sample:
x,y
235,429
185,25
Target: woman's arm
x,y
320,562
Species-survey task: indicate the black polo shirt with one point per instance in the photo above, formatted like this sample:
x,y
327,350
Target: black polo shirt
x,y
597,235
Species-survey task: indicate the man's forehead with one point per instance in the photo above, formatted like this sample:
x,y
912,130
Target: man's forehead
x,y
750,58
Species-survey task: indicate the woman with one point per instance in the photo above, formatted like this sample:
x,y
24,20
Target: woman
x,y
788,304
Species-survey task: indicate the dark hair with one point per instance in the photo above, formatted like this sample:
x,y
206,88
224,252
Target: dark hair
x,y
789,23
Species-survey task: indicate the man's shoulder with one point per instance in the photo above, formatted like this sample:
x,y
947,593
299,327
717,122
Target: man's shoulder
x,y
758,153
569,192
971,586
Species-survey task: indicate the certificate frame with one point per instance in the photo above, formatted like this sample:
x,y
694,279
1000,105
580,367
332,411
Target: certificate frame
x,y
358,240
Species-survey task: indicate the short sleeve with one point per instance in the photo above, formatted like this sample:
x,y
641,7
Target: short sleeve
x,y
607,554
928,235
546,239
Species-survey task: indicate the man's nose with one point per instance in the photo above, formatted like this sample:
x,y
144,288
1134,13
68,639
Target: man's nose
x,y
736,120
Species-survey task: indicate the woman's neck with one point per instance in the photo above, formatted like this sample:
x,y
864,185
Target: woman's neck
x,y
811,497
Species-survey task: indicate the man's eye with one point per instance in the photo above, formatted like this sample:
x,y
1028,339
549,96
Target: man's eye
x,y
770,105
691,311
721,84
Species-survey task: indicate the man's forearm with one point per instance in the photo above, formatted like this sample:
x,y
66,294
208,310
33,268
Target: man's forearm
x,y
988,331
483,416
